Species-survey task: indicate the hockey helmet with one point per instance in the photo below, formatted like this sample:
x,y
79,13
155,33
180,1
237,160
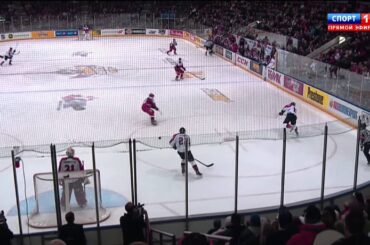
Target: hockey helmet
x,y
293,103
182,130
151,95
70,152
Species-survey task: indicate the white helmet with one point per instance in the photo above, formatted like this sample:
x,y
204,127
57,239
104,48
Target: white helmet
x,y
70,152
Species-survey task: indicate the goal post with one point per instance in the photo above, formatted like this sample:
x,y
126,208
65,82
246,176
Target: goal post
x,y
44,213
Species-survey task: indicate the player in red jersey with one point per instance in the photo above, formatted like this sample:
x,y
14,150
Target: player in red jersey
x,y
180,69
173,45
149,106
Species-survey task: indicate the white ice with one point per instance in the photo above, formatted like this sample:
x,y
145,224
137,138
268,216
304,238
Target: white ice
x,y
32,87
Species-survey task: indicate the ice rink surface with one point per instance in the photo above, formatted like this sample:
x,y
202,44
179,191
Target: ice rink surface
x,y
65,91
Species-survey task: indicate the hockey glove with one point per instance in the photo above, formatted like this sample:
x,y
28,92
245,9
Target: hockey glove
x,y
281,113
174,147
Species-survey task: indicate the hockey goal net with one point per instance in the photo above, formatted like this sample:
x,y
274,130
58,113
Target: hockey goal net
x,y
44,213
83,36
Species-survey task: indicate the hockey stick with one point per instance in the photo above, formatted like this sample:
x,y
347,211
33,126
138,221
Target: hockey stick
x,y
194,75
206,165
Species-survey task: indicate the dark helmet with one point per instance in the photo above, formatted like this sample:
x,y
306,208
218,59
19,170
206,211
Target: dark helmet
x,y
182,130
293,103
151,95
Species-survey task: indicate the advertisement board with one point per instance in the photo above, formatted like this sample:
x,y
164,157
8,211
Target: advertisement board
x,y
112,32
163,32
16,35
138,31
199,41
43,34
293,85
343,109
256,67
317,96
66,33
219,50
152,32
176,33
275,77
242,62
228,54
96,33
192,38
186,35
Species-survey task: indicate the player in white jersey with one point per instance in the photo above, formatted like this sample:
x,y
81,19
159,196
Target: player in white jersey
x,y
180,70
8,56
291,117
365,142
70,164
173,45
86,31
178,143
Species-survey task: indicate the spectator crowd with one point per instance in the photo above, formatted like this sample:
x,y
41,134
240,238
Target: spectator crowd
x,y
292,19
230,19
349,225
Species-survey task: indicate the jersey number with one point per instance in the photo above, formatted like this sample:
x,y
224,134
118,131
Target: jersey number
x,y
69,168
181,140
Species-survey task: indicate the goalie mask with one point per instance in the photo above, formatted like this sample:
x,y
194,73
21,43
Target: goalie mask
x,y
70,152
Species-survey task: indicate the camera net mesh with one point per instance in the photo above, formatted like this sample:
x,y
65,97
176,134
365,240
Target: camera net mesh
x,y
44,213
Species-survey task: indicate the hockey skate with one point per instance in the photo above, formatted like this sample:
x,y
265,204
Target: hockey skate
x,y
153,121
183,169
296,131
195,167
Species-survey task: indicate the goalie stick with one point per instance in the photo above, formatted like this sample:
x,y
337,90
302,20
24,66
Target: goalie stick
x,y
194,75
206,165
